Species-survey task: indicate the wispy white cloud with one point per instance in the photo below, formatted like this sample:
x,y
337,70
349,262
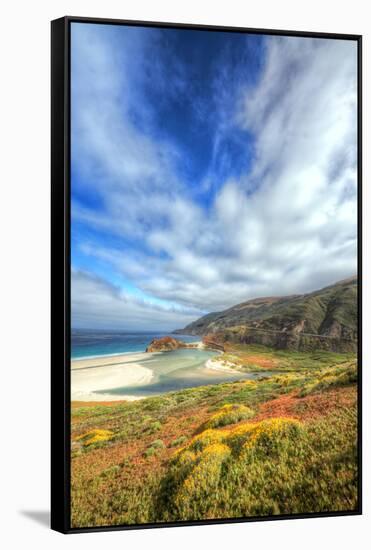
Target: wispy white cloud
x,y
96,304
286,225
128,171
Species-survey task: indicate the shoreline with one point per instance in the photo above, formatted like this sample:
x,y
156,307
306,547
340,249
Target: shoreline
x,y
89,376
86,357
224,366
101,361
196,344
190,345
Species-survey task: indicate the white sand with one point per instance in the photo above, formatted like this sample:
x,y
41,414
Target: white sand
x,y
103,373
219,365
200,345
106,360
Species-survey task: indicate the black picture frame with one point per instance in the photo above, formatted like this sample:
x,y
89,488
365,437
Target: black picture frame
x,y
61,269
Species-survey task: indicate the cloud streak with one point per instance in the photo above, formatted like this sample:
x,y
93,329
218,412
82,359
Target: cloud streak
x,y
96,304
285,222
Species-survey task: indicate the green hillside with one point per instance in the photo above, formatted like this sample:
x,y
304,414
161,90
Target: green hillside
x,y
325,318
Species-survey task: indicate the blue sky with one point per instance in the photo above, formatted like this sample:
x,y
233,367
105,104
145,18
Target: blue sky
x,y
207,168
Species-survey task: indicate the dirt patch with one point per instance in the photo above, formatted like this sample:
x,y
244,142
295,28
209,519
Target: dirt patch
x,y
264,362
311,406
131,452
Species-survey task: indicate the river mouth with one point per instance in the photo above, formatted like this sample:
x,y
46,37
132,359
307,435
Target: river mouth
x,y
177,370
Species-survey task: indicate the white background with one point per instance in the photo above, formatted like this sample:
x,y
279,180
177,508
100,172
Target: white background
x,y
24,305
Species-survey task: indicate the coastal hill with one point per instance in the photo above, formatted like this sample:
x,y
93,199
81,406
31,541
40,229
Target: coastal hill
x,y
324,319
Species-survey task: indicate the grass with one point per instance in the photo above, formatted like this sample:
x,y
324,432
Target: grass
x,y
259,358
281,444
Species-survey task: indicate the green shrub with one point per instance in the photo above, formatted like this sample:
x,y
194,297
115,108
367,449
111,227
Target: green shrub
x,y
204,439
154,447
228,414
154,427
149,452
158,444
276,466
178,441
333,377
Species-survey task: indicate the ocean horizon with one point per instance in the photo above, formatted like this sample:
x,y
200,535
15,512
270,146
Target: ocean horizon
x,y
89,343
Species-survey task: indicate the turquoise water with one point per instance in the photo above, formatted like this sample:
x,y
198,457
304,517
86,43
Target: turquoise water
x,y
176,370
96,343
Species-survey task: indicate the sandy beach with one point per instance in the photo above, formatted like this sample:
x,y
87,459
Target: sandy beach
x,y
103,373
218,365
94,378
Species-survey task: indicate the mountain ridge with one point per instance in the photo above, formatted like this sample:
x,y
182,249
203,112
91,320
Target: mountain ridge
x,y
329,313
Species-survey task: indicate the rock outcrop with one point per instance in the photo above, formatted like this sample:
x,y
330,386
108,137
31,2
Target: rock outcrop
x,y
167,343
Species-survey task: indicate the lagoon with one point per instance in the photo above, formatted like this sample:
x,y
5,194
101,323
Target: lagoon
x,y
140,375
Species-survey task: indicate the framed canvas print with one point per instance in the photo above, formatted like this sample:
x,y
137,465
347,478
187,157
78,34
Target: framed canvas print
x,y
206,293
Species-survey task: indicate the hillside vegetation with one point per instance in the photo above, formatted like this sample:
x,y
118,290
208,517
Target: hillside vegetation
x,y
324,319
283,444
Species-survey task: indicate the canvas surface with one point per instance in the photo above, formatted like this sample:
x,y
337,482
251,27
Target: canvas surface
x,y
214,275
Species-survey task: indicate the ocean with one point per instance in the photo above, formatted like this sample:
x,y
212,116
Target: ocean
x,y
175,370
96,343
